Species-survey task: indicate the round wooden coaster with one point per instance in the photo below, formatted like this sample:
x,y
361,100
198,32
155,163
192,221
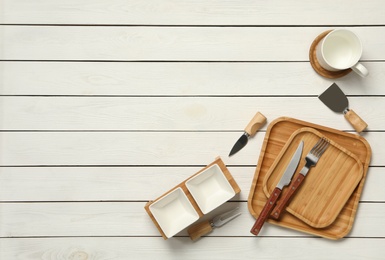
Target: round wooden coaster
x,y
317,67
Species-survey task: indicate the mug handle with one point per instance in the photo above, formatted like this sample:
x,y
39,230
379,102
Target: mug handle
x,y
360,70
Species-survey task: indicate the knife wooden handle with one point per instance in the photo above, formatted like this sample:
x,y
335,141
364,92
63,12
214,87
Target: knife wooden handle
x,y
356,121
199,230
266,211
255,124
281,205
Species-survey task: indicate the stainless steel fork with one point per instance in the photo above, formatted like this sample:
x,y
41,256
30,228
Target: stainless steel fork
x,y
311,160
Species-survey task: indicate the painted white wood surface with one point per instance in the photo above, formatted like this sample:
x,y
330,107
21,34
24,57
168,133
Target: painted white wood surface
x,y
175,79
155,43
107,104
125,183
174,113
201,12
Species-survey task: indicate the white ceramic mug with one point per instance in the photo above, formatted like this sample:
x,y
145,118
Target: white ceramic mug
x,y
341,49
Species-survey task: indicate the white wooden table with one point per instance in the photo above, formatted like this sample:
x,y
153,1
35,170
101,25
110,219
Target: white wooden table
x,y
107,104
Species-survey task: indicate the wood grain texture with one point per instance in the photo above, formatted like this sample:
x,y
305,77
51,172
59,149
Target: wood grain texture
x,y
198,230
125,183
124,218
169,78
174,113
328,185
85,43
106,104
265,213
212,12
256,123
356,121
184,248
121,148
279,132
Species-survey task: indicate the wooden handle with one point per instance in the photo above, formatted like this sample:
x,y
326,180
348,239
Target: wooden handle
x,y
266,211
199,230
356,121
256,123
281,205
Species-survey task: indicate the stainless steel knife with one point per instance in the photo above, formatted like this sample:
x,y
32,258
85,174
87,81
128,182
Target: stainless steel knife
x,y
285,180
254,125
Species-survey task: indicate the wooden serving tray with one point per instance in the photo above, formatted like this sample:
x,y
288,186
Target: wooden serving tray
x,y
277,136
327,186
182,185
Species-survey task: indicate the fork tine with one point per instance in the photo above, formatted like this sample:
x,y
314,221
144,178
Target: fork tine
x,y
320,147
322,150
315,146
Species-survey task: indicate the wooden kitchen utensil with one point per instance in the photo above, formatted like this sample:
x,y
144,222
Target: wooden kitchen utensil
x,y
205,227
277,135
326,188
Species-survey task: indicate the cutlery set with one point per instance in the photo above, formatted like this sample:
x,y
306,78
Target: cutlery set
x,y
321,198
271,208
315,199
317,191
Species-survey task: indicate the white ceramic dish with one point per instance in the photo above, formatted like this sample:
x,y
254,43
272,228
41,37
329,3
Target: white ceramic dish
x,y
210,188
173,212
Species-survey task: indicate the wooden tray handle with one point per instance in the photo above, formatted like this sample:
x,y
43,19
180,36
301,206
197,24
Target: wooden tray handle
x,y
266,211
356,121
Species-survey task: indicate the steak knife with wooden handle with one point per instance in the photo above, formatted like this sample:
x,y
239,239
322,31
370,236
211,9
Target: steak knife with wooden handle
x,y
311,160
285,180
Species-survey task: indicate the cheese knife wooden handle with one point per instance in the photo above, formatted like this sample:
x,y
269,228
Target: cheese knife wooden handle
x,y
199,230
358,124
281,205
255,124
266,211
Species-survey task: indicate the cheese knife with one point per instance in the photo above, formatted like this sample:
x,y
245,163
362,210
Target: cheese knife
x,y
254,125
285,180
206,227
336,100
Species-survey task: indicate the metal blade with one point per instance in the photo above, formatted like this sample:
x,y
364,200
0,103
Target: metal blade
x,y
334,98
290,169
242,141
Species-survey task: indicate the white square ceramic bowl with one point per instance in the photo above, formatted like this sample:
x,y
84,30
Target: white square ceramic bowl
x,y
210,188
173,212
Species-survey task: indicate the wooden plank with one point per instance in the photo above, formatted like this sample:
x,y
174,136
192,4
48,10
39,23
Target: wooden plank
x,y
130,219
138,148
169,78
213,12
126,183
176,113
233,248
172,43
